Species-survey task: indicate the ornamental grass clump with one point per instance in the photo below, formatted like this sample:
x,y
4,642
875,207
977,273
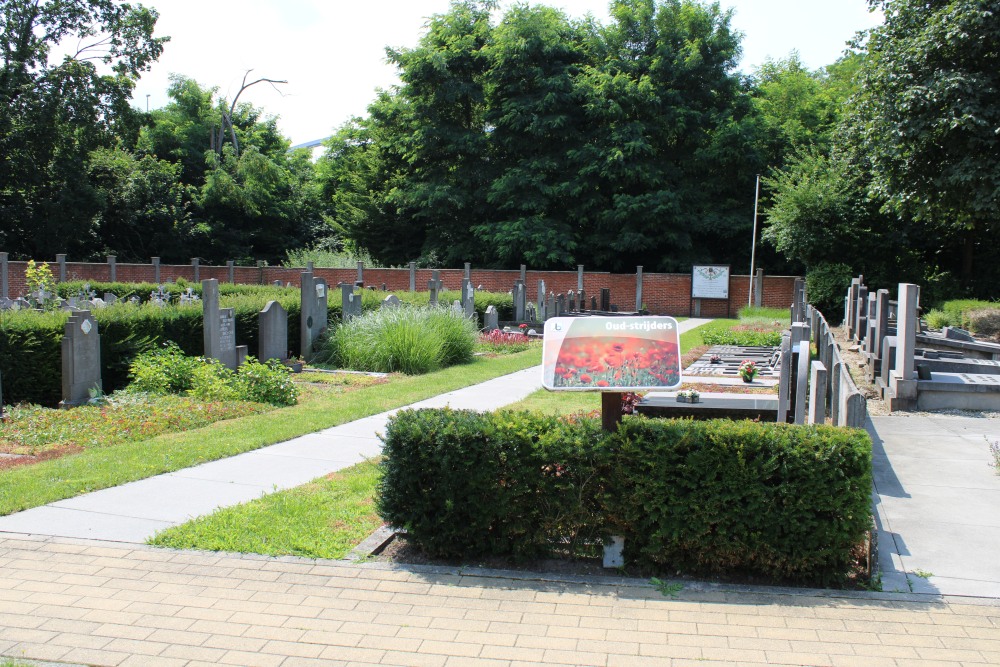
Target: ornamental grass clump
x,y
413,341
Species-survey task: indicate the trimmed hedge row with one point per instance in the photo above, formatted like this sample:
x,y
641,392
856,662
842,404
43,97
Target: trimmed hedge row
x,y
704,497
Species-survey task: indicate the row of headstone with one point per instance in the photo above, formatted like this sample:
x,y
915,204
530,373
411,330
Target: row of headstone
x,y
846,403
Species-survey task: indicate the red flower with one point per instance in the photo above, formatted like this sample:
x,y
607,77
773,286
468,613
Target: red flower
x,y
602,383
585,379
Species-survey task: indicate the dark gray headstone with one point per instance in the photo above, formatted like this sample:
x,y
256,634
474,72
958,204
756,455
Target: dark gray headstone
x,y
219,325
817,393
391,301
785,378
801,381
491,319
413,276
110,298
434,286
468,298
81,359
520,300
638,288
273,336
156,269
550,306
954,333
582,301
605,299
541,301
314,309
530,314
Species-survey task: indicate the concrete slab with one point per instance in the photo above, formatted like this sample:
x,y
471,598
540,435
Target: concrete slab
x,y
936,505
262,469
171,498
66,522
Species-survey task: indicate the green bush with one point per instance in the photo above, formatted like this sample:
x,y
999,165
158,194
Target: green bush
x,y
762,315
985,322
743,336
169,371
959,313
705,497
826,286
464,483
164,370
407,340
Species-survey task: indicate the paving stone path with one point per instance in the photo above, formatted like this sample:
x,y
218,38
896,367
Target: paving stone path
x,y
121,605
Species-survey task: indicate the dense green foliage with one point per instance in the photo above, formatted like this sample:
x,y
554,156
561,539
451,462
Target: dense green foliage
x,y
744,336
703,497
407,340
554,141
167,370
908,191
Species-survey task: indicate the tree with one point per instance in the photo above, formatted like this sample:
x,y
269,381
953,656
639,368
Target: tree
x,y
927,117
53,115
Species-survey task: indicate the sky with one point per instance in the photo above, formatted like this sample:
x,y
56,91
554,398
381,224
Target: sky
x,y
332,52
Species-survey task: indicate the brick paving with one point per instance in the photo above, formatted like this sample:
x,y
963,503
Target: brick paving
x,y
104,603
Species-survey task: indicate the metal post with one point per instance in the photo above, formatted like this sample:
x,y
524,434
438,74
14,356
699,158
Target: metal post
x,y
753,243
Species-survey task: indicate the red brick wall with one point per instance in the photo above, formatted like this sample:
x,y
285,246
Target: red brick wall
x,y
662,293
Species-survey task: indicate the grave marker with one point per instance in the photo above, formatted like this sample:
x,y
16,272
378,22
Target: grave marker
x,y
541,301
784,378
156,269
605,299
491,319
413,276
817,393
81,359
550,307
61,260
273,328
468,298
391,301
638,288
219,326
904,385
801,381
314,307
434,286
520,301
112,268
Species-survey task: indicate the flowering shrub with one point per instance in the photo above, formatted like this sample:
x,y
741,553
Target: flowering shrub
x,y
503,342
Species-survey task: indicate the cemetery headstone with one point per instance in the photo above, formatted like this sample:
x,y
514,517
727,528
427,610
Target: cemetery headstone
x,y
817,393
156,269
273,332
605,299
861,314
277,283
785,378
530,314
112,268
231,270
219,326
520,300
434,286
350,302
391,301
314,306
571,300
81,359
593,303
524,274
196,268
560,305
801,381
468,298
955,333
456,307
582,300
413,276
541,301
110,298
904,385
61,260
550,306
491,319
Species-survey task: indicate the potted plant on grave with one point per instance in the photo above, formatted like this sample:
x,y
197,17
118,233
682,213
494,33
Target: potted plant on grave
x,y
715,359
748,370
690,396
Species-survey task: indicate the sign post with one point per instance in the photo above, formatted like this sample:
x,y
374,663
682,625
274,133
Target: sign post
x,y
612,355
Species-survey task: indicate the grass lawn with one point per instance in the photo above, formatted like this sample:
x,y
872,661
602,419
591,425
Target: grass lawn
x,y
322,519
318,408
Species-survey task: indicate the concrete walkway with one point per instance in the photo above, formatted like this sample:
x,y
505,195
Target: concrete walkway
x,y
134,512
937,503
120,605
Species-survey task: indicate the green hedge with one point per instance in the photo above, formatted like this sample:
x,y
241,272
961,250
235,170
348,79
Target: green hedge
x,y
742,337
705,497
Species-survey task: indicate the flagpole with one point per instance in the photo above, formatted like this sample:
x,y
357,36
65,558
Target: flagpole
x,y
753,244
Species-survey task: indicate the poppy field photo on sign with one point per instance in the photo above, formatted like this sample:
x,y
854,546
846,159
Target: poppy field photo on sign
x,y
611,353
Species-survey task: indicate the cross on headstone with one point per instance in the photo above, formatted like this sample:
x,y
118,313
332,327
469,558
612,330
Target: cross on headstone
x,y
468,298
434,286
